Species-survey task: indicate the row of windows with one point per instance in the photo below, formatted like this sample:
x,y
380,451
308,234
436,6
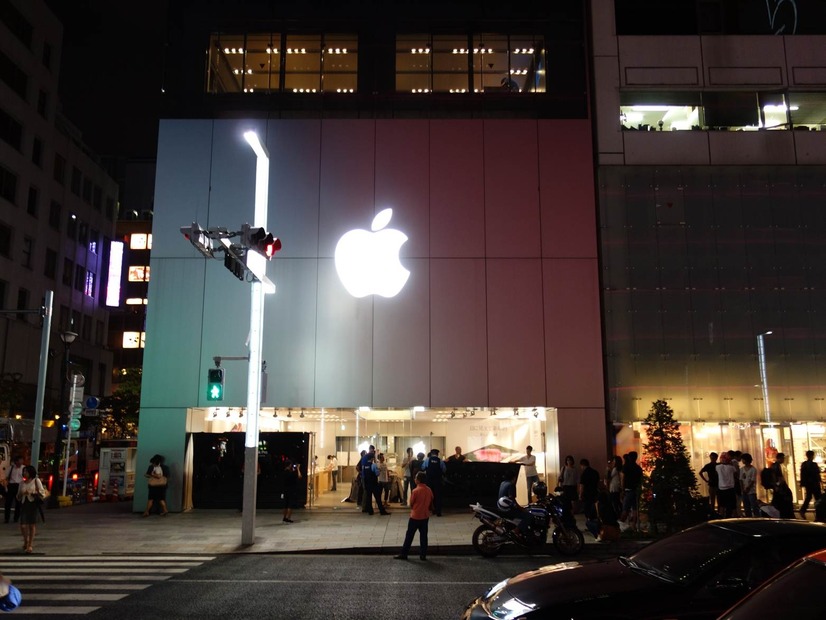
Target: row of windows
x,y
67,318
82,186
425,63
725,111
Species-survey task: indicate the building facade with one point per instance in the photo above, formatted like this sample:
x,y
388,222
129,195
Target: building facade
x,y
57,213
710,165
470,122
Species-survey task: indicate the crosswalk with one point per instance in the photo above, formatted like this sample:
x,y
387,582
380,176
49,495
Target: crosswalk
x,y
79,585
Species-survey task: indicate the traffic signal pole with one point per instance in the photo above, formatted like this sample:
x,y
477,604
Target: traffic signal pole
x,y
257,264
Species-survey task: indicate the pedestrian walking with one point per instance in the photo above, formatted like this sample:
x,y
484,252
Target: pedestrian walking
x,y
157,476
30,494
421,505
810,481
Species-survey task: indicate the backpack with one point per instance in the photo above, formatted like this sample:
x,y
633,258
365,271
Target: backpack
x,y
767,480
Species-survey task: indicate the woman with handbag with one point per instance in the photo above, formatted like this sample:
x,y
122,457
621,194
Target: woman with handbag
x,y
157,476
30,493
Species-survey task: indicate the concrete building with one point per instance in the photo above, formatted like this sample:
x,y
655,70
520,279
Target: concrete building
x,y
471,123
57,213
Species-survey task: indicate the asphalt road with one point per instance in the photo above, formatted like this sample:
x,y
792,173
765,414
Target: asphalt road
x,y
294,587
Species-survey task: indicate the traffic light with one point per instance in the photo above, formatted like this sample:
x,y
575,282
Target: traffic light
x,y
215,384
260,240
234,263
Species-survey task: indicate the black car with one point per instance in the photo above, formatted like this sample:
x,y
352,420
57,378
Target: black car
x,y
792,593
698,573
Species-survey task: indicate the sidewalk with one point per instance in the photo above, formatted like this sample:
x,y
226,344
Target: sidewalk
x,y
112,528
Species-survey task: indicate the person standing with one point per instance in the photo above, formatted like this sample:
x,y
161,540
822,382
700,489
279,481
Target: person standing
x,y
457,456
588,489
777,469
157,475
408,458
30,490
421,505
748,486
384,479
292,474
709,475
415,468
726,473
370,477
333,465
568,480
614,477
810,481
435,468
631,483
12,486
529,463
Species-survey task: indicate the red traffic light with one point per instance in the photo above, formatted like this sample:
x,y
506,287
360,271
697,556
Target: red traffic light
x,y
261,241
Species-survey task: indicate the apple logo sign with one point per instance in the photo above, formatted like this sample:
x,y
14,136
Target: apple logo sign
x,y
368,262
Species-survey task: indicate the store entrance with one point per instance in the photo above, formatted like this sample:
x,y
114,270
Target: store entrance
x,y
218,468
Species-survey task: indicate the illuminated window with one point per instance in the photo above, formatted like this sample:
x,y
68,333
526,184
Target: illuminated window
x,y
136,301
89,288
303,64
133,340
114,275
497,63
138,273
140,241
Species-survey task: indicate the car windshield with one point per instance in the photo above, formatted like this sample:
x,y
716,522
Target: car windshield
x,y
685,556
786,596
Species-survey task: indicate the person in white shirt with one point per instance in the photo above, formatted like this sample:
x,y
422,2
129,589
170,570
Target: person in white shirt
x,y
12,486
725,485
531,475
332,465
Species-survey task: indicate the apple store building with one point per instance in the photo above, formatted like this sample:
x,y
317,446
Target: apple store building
x,y
437,287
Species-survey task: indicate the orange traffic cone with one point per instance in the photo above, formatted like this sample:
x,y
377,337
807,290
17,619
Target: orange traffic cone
x,y
102,491
90,493
115,494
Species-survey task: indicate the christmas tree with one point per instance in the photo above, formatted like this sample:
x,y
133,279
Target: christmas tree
x,y
672,485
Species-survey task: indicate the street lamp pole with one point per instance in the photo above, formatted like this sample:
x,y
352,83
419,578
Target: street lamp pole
x,y
68,337
764,383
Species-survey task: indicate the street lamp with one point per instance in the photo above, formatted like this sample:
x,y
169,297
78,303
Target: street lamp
x,y
68,337
764,384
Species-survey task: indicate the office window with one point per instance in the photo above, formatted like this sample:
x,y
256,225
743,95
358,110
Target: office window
x,y
47,56
43,103
138,273
11,132
5,240
661,111
14,77
32,200
50,267
68,271
135,301
89,287
37,152
71,226
59,168
94,240
496,63
8,185
77,178
80,278
86,328
87,190
28,249
339,63
97,198
302,67
23,296
140,241
808,111
55,211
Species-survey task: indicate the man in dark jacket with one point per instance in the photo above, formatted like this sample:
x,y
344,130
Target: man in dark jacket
x,y
588,489
435,468
810,481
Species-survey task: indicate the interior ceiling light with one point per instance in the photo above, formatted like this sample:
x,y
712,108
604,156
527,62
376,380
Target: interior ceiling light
x,y
302,414
275,413
289,413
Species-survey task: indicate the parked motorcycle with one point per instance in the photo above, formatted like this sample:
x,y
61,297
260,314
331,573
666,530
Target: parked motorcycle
x,y
499,528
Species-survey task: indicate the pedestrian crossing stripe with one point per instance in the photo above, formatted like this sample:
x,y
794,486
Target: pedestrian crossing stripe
x,y
50,583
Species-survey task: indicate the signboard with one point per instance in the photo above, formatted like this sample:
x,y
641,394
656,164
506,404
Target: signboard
x,y
74,424
91,413
76,395
76,408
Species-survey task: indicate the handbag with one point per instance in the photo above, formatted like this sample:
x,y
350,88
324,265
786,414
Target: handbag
x,y
158,482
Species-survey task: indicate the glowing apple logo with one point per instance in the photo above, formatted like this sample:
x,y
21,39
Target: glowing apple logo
x,y
368,262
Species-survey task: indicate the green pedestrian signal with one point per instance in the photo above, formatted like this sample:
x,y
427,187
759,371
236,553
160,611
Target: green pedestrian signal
x,y
215,384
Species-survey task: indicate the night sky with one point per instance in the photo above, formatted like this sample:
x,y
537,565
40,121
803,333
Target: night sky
x,y
112,72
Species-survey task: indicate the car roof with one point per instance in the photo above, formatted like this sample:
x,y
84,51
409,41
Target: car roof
x,y
819,556
769,527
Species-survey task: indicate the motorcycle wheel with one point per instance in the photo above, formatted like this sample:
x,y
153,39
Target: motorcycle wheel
x,y
484,543
568,541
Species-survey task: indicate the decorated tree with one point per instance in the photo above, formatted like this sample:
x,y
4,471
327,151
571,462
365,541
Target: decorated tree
x,y
119,412
672,486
